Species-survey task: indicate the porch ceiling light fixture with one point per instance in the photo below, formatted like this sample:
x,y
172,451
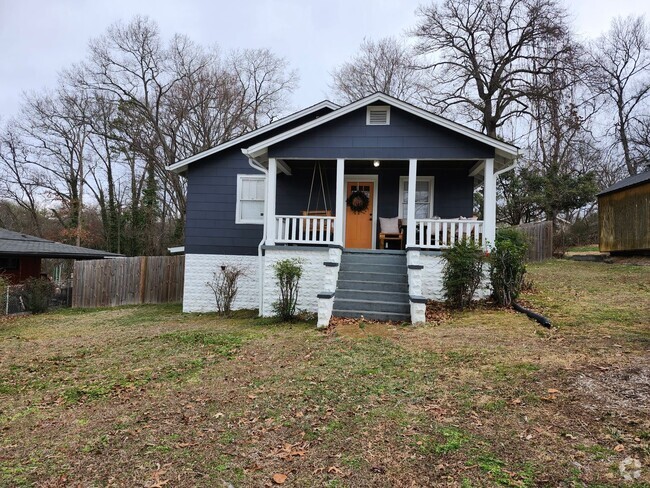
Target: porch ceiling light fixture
x,y
376,163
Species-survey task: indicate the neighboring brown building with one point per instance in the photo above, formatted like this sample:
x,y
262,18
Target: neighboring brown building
x,y
21,254
624,215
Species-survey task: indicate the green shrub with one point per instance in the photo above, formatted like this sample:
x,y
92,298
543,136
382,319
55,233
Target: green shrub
x,y
507,265
462,273
288,273
37,294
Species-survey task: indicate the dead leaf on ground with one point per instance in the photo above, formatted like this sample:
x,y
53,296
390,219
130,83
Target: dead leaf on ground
x,y
279,478
156,482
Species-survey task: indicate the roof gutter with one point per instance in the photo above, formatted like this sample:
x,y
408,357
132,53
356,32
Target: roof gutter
x,y
508,168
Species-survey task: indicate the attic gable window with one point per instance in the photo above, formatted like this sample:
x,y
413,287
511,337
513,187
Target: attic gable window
x,y
378,115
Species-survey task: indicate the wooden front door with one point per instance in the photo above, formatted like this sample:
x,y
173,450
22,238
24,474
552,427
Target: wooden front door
x,y
358,226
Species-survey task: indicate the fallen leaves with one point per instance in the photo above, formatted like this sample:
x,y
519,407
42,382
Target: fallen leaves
x,y
279,478
552,394
437,313
156,481
290,451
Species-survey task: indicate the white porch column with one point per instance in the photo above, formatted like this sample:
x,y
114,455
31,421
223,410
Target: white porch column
x,y
410,207
340,201
489,204
271,182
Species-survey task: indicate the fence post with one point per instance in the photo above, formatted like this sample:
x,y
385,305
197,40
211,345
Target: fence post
x,y
143,277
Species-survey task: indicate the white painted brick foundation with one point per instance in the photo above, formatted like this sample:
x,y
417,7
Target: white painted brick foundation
x,y
199,270
432,278
315,276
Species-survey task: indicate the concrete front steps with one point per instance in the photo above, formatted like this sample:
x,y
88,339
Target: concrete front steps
x,y
373,284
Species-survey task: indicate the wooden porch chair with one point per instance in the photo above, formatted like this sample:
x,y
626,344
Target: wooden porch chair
x,y
391,236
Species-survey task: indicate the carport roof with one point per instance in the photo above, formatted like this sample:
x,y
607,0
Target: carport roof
x,y
18,244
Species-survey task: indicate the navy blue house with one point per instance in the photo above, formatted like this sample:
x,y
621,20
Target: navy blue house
x,y
365,195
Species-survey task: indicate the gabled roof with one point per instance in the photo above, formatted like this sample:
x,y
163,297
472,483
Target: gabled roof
x,y
507,151
627,183
18,244
181,166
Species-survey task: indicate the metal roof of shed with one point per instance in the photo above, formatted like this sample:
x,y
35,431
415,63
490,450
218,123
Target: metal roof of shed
x,y
18,244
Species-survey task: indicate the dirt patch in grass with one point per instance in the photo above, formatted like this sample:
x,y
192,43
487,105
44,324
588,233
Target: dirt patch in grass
x,y
617,388
148,396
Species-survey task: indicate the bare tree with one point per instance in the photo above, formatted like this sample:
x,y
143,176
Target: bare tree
x,y
17,181
173,100
640,139
106,135
482,54
54,127
264,85
385,66
620,62
109,167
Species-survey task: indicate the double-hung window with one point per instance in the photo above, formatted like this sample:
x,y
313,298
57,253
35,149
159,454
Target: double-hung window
x,y
423,197
251,190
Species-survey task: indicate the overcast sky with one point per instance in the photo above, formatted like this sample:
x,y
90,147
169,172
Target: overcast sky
x,y
39,38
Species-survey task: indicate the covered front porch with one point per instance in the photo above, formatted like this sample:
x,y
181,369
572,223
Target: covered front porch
x,y
432,200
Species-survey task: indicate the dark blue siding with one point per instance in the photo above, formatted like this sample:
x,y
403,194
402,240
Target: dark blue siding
x,y
211,198
407,136
212,182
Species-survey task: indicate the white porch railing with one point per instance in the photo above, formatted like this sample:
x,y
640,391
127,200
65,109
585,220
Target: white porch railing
x,y
442,233
304,229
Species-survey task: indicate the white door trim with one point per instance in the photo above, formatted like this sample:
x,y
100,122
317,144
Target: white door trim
x,y
375,180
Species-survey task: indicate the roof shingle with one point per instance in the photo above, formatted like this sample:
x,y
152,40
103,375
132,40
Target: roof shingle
x,y
18,244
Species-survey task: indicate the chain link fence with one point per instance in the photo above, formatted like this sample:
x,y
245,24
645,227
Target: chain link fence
x,y
14,300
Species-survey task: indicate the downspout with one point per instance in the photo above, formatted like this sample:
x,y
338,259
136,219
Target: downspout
x,y
260,272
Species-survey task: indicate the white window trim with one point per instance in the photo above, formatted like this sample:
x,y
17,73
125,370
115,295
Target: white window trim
x,y
240,179
404,179
386,107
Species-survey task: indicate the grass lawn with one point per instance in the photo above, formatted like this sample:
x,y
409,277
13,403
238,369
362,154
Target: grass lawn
x,y
148,396
588,248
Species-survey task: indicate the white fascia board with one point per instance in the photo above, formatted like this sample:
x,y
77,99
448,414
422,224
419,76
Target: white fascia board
x,y
181,166
506,150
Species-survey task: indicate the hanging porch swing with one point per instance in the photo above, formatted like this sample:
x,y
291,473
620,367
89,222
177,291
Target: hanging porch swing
x,y
317,212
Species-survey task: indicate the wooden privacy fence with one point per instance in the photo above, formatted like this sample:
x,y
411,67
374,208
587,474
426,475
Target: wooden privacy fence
x,y
128,281
540,239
